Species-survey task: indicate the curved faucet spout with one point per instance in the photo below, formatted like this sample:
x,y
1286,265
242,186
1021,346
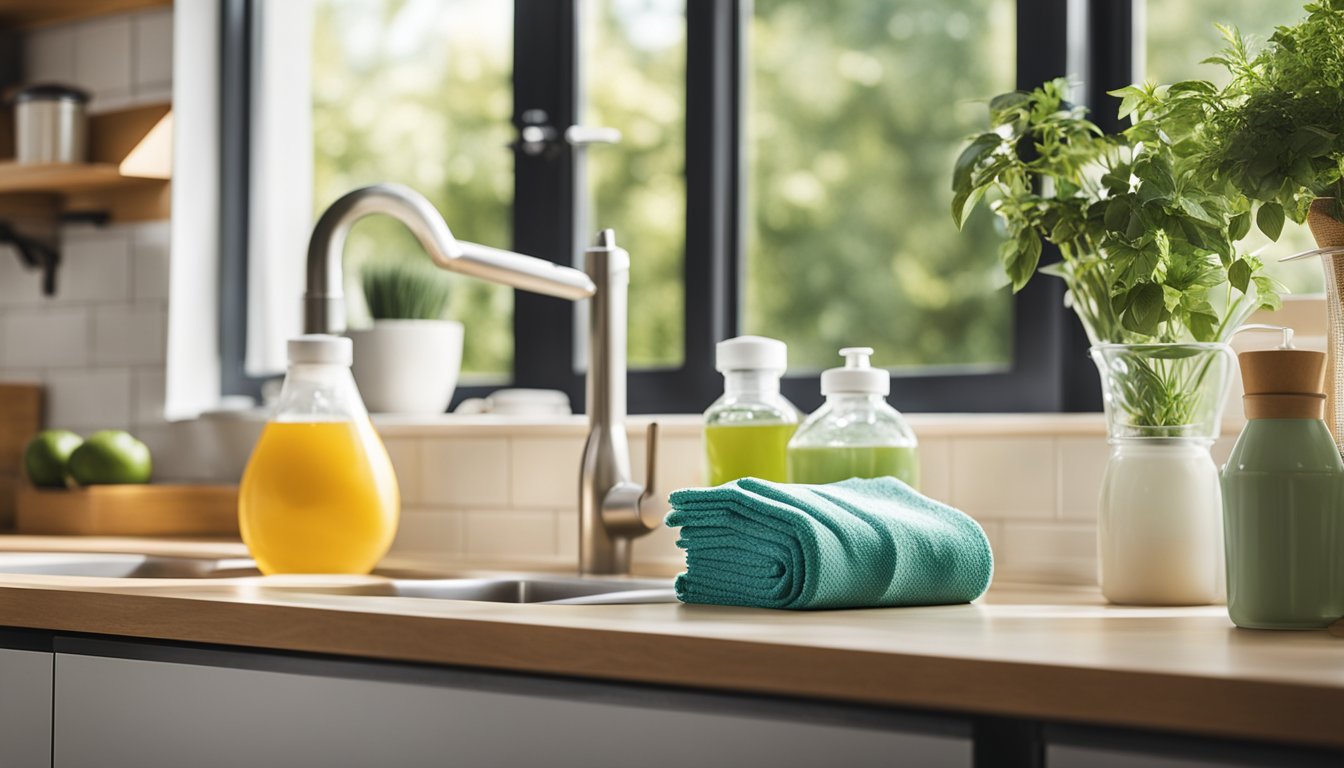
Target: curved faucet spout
x,y
324,302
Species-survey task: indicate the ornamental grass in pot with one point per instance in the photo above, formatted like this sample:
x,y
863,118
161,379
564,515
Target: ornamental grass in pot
x,y
1150,258
408,361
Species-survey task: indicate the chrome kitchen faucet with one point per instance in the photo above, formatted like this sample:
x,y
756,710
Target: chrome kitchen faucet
x,y
611,504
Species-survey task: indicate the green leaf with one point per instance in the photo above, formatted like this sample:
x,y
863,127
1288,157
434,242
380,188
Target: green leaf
x,y
1239,226
1239,275
962,185
1270,220
1022,258
1146,307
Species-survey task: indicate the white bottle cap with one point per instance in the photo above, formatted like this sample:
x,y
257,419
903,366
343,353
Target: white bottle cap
x,y
321,348
857,377
751,353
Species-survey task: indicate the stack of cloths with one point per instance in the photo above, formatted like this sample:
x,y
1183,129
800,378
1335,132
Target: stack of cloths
x,y
857,543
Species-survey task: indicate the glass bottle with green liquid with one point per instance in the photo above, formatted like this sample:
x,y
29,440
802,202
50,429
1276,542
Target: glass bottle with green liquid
x,y
855,433
747,430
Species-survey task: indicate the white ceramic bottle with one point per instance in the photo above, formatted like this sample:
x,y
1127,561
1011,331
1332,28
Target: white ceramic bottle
x,y
1160,526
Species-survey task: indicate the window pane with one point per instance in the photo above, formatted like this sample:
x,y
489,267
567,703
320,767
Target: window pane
x,y
635,73
857,112
1178,35
419,92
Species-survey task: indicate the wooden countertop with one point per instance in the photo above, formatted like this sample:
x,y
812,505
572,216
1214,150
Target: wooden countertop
x,y
1053,654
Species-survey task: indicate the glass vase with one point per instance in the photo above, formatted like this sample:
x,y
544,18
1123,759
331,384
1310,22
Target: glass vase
x,y
1159,528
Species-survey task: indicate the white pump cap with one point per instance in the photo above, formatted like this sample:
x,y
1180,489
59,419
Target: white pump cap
x,y
857,377
321,348
751,353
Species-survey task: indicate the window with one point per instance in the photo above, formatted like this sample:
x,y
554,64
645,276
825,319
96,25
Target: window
x,y
857,111
782,169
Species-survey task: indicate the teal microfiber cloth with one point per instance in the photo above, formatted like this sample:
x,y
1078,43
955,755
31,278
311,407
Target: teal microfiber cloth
x,y
856,543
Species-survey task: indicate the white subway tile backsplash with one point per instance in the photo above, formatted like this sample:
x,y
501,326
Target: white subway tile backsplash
x,y
19,285
150,261
1082,463
1004,477
1053,553
148,402
436,533
89,399
95,265
467,472
130,334
405,455
153,51
511,533
45,338
103,61
680,464
935,468
545,472
49,55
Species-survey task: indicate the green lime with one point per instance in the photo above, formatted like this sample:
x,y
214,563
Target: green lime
x,y
110,457
47,455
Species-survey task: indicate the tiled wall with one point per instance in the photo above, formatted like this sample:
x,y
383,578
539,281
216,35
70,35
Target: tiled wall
x,y
490,492
98,345
123,60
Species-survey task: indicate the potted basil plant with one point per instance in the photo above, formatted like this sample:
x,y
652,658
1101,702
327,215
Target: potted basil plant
x,y
1275,133
1149,256
408,361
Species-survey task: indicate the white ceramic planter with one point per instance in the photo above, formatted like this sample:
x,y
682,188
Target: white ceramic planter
x,y
407,366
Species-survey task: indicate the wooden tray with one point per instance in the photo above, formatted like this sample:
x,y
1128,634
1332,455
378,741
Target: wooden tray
x,y
129,510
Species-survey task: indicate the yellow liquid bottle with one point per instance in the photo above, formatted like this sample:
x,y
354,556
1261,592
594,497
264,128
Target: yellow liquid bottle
x,y
319,494
747,430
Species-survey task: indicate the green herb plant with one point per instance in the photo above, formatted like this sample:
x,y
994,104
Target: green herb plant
x,y
1148,243
404,290
1275,132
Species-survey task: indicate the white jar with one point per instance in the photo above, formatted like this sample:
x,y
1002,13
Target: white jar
x,y
1160,536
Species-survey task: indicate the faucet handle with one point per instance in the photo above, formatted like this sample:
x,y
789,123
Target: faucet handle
x,y
650,464
625,503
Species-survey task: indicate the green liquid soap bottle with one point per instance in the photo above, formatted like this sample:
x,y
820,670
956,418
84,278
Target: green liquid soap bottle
x,y
747,429
855,433
1283,498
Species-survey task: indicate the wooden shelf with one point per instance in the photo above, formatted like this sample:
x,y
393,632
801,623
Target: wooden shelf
x,y
126,177
64,178
31,13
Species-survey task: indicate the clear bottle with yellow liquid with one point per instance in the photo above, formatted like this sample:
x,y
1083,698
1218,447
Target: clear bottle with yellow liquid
x,y
748,429
319,494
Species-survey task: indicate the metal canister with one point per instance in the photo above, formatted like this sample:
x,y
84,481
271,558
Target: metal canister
x,y
50,124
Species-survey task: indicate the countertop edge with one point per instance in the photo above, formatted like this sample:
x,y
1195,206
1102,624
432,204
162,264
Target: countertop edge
x,y
1217,707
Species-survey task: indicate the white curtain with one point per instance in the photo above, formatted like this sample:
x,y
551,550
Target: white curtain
x,y
280,209
192,376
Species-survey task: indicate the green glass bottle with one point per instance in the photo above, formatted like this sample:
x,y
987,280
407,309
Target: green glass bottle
x,y
1283,499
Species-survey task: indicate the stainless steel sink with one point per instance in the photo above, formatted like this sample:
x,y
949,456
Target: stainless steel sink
x,y
125,566
550,590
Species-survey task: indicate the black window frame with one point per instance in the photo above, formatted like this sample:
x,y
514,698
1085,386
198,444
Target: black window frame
x,y
1050,369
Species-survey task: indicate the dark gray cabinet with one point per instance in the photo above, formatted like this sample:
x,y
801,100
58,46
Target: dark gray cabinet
x,y
235,709
25,708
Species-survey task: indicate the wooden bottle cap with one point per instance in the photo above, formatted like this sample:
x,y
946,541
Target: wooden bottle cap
x,y
1283,372
1284,406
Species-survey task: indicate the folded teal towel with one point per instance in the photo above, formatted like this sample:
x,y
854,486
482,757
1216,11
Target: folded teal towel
x,y
844,545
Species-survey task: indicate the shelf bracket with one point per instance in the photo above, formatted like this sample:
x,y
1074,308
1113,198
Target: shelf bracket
x,y
35,253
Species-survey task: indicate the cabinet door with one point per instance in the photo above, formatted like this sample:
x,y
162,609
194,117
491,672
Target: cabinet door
x,y
134,712
25,708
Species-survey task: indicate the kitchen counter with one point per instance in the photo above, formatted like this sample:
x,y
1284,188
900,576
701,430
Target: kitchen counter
x,y
1051,654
